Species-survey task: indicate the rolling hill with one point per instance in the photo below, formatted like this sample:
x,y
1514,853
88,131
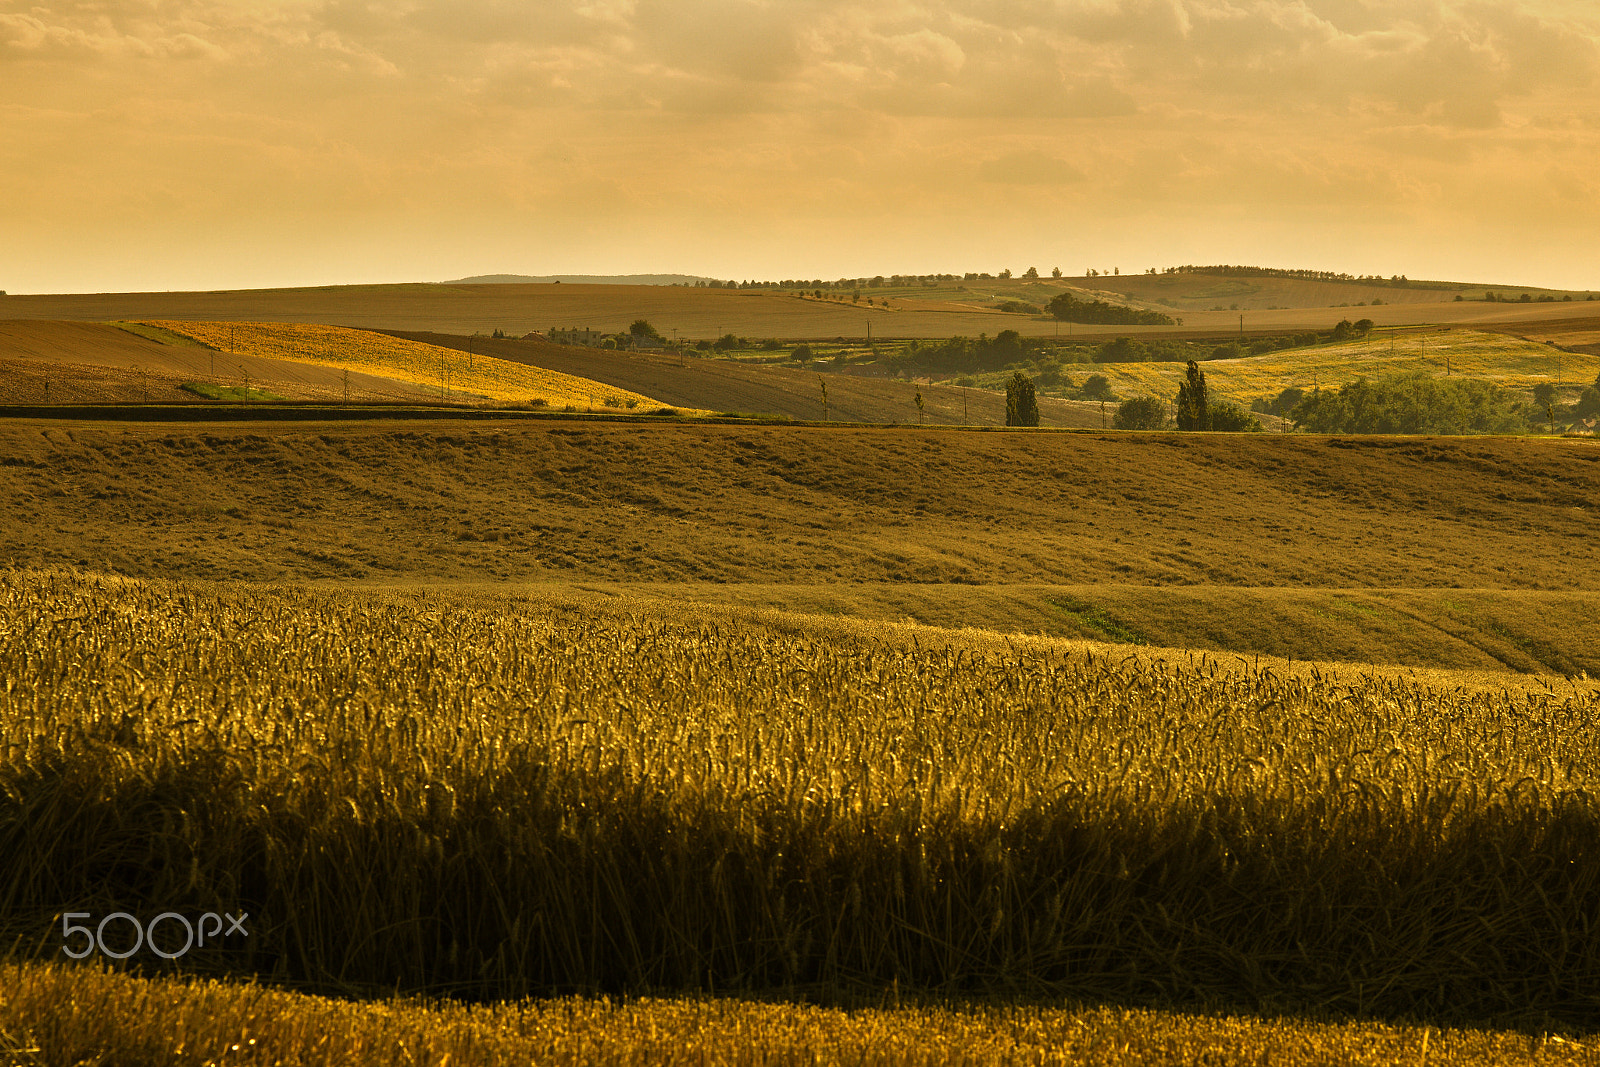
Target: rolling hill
x,y
83,362
724,385
1464,552
1509,362
692,313
423,366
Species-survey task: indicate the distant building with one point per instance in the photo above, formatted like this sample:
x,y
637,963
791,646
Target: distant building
x,y
591,338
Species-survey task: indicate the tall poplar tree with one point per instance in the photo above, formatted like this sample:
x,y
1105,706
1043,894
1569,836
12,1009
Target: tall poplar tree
x,y
1193,413
1022,405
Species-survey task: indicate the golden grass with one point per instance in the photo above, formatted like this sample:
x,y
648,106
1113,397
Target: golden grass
x,y
55,1015
547,794
456,375
1507,361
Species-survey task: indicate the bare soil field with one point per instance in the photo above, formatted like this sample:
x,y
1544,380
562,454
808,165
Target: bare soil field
x,y
88,362
902,523
723,385
708,313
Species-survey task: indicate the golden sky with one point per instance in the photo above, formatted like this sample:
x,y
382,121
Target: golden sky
x,y
171,144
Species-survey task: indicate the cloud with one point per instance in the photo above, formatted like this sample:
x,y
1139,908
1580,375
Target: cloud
x,y
1029,168
293,116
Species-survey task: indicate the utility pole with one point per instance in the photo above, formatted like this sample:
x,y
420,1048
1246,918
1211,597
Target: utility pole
x,y
347,385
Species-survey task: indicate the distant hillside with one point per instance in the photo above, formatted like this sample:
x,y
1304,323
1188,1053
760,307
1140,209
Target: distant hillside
x,y
727,385
580,279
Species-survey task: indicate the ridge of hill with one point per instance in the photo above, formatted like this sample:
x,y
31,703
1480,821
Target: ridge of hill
x,y
580,279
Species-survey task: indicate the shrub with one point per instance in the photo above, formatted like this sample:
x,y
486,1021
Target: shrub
x,y
802,354
1141,413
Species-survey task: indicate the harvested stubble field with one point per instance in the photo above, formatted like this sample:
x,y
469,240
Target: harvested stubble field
x,y
751,503
709,313
1509,362
500,796
423,365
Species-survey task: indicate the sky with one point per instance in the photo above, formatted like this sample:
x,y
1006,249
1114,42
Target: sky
x,y
195,144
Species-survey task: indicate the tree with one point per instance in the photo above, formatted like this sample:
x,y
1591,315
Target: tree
x,y
641,330
1031,272
1141,413
1193,412
1285,401
1544,394
1056,273
1589,402
1122,350
1364,326
1006,273
1231,418
1344,330
1068,308
1097,387
1411,403
802,354
1022,404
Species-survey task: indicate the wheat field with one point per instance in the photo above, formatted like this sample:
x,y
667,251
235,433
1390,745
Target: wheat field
x,y
454,374
512,796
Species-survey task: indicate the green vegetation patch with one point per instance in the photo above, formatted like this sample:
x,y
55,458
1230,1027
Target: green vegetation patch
x,y
1095,620
159,335
233,394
